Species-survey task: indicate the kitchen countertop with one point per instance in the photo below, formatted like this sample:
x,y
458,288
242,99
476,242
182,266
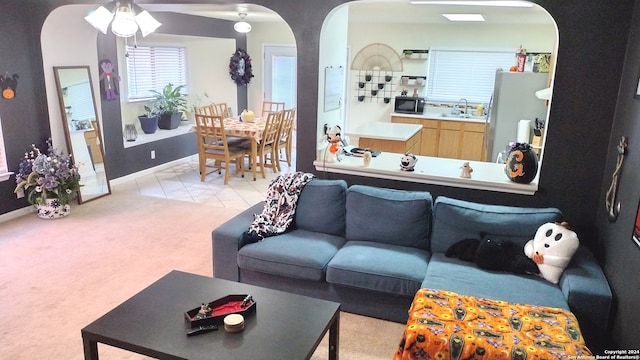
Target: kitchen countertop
x,y
441,115
431,170
386,131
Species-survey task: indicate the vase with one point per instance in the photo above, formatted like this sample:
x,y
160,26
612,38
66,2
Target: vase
x,y
169,121
522,163
130,132
149,124
52,209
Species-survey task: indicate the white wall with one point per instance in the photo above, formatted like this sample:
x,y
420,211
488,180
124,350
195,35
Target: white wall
x,y
67,40
207,72
263,34
333,45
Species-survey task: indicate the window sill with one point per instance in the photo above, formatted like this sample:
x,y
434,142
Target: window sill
x,y
431,170
160,134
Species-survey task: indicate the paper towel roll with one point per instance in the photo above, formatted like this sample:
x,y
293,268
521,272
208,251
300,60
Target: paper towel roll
x,y
524,131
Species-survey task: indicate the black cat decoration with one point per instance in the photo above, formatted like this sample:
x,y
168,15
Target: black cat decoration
x,y
9,85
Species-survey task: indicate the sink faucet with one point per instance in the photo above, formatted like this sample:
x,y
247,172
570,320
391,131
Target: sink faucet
x,y
456,109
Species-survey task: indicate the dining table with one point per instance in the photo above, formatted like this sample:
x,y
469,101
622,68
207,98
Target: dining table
x,y
234,127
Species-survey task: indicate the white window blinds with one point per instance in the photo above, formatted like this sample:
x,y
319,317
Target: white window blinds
x,y
4,169
153,67
465,73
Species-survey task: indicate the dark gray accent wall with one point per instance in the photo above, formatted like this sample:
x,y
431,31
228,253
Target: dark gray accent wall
x,y
591,108
619,254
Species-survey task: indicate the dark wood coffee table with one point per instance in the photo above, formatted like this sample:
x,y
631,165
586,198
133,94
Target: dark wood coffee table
x,y
152,323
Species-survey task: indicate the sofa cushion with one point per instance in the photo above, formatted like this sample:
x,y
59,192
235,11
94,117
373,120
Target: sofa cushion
x,y
379,267
466,278
454,220
389,216
321,207
296,254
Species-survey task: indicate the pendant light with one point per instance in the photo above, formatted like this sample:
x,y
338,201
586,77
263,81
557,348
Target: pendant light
x,y
242,26
125,18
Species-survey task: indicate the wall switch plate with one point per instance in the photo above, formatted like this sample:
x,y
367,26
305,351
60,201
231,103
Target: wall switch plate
x,y
153,154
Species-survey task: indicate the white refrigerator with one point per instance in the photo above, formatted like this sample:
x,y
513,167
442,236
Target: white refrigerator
x,y
513,100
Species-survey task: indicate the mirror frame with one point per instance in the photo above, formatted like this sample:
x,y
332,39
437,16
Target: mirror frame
x,y
67,133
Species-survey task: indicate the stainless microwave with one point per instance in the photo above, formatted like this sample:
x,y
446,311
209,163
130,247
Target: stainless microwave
x,y
409,105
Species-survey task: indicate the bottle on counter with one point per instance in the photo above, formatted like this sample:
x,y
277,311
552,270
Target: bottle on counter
x,y
479,110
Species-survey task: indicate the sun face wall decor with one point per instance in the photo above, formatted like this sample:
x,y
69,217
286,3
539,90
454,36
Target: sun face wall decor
x,y
240,67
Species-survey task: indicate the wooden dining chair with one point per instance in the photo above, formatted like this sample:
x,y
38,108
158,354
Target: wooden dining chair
x,y
205,110
268,145
213,145
271,106
286,135
221,109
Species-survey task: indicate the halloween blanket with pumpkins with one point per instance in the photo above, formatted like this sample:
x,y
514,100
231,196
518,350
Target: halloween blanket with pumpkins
x,y
445,325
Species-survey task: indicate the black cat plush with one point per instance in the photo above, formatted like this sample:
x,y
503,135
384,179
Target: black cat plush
x,y
493,255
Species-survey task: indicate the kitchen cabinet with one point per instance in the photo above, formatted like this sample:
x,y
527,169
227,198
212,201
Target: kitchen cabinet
x,y
449,138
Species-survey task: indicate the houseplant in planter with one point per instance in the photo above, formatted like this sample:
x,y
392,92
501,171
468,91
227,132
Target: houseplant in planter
x,y
50,181
169,105
148,121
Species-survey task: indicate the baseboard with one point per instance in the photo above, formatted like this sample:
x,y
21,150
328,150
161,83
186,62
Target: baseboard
x,y
31,209
17,213
149,171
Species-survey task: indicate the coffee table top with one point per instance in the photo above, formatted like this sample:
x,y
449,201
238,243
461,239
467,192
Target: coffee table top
x,y
152,322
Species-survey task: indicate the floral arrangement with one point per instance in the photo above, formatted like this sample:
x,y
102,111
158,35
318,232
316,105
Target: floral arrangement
x,y
47,176
240,67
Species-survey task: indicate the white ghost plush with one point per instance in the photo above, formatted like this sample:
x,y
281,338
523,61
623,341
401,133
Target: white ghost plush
x,y
552,248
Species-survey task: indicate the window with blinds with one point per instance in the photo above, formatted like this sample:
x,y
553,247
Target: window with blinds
x,y
465,73
153,67
4,168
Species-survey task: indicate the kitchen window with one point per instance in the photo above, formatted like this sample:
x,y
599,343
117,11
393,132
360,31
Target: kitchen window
x,y
4,168
465,73
153,67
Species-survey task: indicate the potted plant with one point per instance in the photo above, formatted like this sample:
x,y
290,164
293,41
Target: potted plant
x,y
148,121
169,105
50,181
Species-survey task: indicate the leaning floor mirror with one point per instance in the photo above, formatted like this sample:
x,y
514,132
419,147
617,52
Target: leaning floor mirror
x,y
82,130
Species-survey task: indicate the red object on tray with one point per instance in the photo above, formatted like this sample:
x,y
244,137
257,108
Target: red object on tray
x,y
215,311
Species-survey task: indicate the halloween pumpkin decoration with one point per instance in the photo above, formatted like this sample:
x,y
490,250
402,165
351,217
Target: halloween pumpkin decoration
x,y
8,84
522,163
248,116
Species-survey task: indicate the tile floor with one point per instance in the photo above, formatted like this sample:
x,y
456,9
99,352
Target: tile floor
x,y
182,182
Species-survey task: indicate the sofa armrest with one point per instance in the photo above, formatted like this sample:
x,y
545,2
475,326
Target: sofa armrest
x,y
587,291
227,239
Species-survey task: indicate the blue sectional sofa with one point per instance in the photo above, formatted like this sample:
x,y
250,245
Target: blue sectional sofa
x,y
372,248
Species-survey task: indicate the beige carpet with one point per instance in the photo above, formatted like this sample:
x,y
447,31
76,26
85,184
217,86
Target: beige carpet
x,y
56,276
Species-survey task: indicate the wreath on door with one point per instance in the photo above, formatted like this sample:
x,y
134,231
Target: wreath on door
x,y
240,67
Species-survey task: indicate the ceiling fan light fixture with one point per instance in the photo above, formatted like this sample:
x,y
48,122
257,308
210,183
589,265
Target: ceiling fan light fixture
x,y
147,23
123,19
242,26
100,19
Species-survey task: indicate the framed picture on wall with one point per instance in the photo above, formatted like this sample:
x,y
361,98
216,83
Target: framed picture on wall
x,y
636,227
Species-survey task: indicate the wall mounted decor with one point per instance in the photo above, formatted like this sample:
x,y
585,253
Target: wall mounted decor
x,y
612,206
240,67
8,84
109,80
